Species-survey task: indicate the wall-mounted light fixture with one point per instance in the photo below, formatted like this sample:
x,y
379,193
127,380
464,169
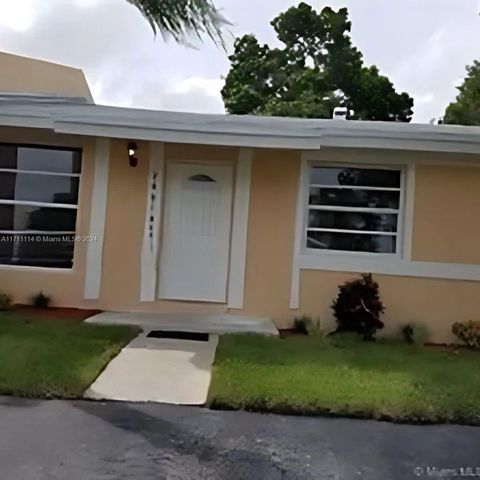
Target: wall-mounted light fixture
x,y
132,154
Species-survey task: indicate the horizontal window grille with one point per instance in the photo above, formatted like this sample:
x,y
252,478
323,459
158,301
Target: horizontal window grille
x,y
354,209
39,189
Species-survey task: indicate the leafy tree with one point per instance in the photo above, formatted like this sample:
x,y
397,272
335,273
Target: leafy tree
x,y
182,17
466,108
315,71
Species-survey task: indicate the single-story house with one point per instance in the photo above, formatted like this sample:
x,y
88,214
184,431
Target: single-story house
x,y
132,210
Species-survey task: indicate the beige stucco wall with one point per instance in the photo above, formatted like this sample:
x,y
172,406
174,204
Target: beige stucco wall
x,y
442,189
435,303
271,233
125,220
447,209
28,75
447,195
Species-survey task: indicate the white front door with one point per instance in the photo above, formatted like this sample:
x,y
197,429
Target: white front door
x,y
196,232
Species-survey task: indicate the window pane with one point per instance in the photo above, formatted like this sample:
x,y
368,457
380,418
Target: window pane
x,y
351,242
39,188
374,222
8,156
23,217
55,251
354,198
42,159
355,177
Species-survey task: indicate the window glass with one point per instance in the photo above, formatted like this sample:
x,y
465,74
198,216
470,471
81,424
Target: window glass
x,y
52,250
345,197
25,217
40,159
35,185
380,222
351,242
353,209
370,177
39,188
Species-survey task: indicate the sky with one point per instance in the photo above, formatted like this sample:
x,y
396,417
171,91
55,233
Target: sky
x,y
423,46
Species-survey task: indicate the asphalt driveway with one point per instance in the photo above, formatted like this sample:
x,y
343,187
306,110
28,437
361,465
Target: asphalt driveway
x,y
88,440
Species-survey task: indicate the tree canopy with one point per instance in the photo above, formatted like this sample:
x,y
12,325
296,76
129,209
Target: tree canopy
x,y
180,18
316,70
466,108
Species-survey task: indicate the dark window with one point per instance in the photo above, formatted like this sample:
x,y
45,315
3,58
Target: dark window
x,y
354,209
351,242
40,159
39,188
38,205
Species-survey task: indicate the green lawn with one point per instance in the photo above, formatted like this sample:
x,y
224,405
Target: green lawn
x,y
311,375
54,358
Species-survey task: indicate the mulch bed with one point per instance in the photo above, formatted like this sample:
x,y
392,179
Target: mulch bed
x,y
290,332
52,313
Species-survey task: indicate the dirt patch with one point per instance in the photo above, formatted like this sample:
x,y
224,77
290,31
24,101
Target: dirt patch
x,y
450,348
290,332
56,313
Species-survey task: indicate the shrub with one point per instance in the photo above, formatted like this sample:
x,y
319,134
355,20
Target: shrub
x,y
40,300
302,324
414,334
358,307
5,301
307,325
468,333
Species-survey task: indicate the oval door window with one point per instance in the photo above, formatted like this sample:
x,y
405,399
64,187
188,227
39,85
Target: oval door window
x,y
201,178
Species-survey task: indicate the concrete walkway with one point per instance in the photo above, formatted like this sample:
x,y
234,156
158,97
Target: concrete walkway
x,y
218,324
158,370
167,371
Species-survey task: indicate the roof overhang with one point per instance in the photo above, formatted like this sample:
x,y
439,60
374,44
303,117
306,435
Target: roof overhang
x,y
189,136
74,118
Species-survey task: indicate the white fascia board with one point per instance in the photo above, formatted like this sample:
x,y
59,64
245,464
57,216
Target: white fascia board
x,y
23,121
456,144
351,135
192,137
406,143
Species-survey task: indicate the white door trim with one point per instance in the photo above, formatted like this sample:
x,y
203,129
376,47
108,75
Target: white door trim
x,y
93,263
153,214
238,248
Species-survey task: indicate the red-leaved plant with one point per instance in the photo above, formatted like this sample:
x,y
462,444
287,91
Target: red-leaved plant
x,y
358,307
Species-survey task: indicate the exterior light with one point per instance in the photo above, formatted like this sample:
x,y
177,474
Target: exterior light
x,y
132,154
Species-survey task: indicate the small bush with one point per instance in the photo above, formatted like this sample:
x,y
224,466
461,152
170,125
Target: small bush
x,y
468,333
5,301
302,324
307,325
358,307
41,301
414,334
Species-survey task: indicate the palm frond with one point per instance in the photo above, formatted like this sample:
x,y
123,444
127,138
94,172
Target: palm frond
x,y
179,18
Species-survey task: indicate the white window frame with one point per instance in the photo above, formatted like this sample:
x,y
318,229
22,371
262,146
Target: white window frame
x,y
31,203
305,250
352,262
